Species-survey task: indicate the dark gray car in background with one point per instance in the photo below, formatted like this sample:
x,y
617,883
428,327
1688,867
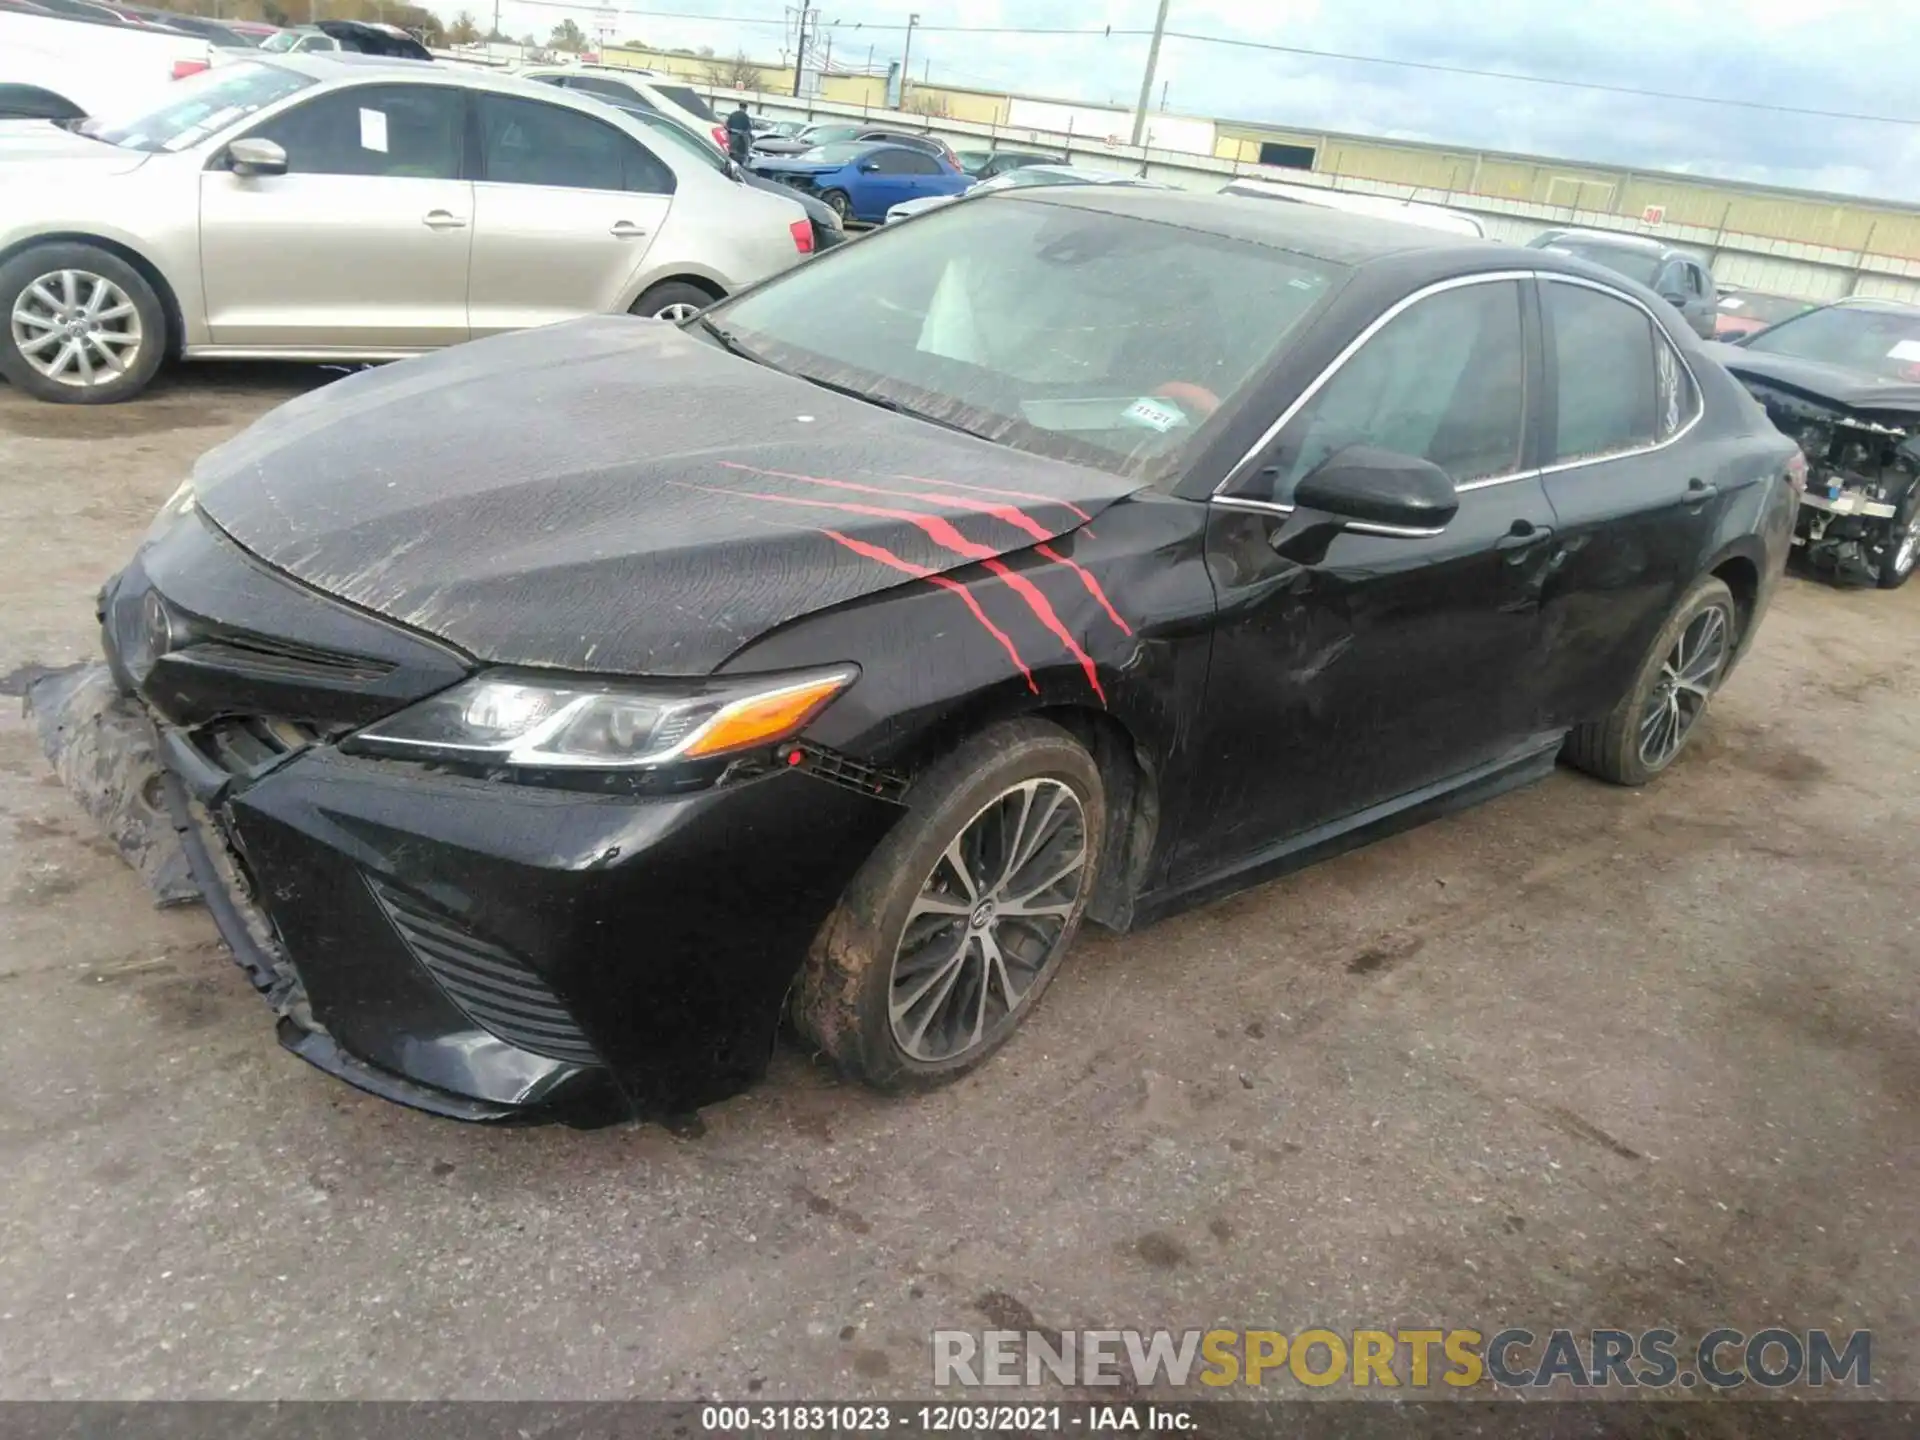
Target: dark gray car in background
x,y
1679,277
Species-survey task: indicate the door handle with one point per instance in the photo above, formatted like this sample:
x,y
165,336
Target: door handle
x,y
1699,492
1522,537
627,230
442,220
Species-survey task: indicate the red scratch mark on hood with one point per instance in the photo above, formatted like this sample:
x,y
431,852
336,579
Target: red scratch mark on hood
x,y
1009,514
887,557
995,490
943,532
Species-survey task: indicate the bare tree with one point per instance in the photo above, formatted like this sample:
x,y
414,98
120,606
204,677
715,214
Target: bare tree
x,y
738,73
464,30
568,36
922,103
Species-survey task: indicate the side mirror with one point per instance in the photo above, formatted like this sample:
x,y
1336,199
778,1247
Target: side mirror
x,y
1677,300
1381,491
257,157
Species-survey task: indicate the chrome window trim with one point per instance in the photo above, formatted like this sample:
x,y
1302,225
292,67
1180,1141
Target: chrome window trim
x,y
1374,327
1386,317
1355,527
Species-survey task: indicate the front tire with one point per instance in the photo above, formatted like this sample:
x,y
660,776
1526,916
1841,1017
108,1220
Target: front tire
x,y
952,931
839,202
673,300
1653,721
1903,543
83,326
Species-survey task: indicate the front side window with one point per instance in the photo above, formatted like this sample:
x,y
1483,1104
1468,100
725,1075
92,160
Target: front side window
x,y
1610,396
1106,339
523,142
1445,380
407,131
197,107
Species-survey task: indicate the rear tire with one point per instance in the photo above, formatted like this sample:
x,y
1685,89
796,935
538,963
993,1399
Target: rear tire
x,y
673,300
1651,725
937,952
82,326
839,202
1903,543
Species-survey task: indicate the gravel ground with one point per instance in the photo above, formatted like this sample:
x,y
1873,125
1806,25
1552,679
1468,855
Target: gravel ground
x,y
1580,1057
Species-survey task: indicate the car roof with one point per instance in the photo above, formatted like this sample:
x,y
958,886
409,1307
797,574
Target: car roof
x,y
348,64
1880,304
1618,240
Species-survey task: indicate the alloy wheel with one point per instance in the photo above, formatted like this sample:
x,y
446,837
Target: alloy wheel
x,y
988,921
77,328
676,312
1685,684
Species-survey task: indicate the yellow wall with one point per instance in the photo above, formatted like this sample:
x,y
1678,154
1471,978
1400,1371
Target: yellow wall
x,y
977,106
868,90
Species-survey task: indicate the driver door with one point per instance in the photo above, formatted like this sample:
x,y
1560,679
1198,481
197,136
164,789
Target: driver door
x,y
1394,662
362,245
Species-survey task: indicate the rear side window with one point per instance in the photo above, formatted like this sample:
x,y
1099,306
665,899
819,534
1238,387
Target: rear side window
x,y
1444,380
611,90
1621,384
400,131
687,100
526,143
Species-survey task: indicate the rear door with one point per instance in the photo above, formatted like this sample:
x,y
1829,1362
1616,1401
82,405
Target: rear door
x,y
566,206
362,245
889,176
1394,661
1635,502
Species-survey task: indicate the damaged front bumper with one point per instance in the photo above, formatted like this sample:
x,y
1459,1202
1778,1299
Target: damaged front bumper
x,y
468,946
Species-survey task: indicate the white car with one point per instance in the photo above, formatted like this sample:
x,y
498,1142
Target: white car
x,y
1382,207
347,207
1020,179
661,94
53,68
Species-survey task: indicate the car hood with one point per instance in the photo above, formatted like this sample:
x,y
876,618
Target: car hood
x,y
616,495
1835,384
39,143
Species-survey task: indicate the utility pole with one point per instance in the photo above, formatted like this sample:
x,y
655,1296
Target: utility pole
x,y
1146,83
906,58
496,23
800,50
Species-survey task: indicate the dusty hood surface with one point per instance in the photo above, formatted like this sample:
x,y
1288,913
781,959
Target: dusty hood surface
x,y
614,495
1853,389
30,151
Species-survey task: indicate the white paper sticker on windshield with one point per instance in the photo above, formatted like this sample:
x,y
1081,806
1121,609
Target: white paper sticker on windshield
x,y
1905,350
373,130
1731,302
1161,415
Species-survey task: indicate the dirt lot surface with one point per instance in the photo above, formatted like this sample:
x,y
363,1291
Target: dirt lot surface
x,y
1581,1057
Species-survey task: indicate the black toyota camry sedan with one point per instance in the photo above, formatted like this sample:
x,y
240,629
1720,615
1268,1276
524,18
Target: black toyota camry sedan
x,y
545,719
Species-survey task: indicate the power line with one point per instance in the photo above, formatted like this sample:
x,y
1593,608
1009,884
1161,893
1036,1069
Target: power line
x,y
1106,32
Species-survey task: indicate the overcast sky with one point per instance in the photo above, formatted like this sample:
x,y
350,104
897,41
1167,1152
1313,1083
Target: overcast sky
x,y
1844,55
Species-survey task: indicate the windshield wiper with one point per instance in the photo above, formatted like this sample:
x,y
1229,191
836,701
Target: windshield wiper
x,y
884,403
731,344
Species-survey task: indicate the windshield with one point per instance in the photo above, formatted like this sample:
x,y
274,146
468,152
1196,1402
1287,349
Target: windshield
x,y
283,41
686,99
836,154
199,106
1767,309
1085,336
821,134
1634,264
1032,175
1878,342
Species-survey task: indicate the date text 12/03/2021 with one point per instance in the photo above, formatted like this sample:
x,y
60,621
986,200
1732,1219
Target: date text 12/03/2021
x,y
944,1418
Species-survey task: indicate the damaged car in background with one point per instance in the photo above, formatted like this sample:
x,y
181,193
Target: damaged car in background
x,y
544,719
1844,382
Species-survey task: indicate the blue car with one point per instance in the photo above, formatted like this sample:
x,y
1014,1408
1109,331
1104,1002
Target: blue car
x,y
862,180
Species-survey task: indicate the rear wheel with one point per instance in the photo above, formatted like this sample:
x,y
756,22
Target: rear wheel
x,y
839,202
956,925
1903,543
1651,725
83,326
674,300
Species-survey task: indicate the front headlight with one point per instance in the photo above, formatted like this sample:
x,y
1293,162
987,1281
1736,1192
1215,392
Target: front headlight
x,y
522,719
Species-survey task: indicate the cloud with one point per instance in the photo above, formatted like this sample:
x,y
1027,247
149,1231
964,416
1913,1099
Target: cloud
x,y
1844,55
